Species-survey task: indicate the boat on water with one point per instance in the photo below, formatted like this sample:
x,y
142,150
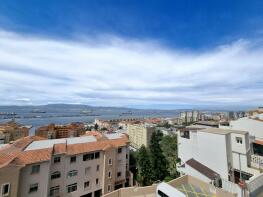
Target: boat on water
x,y
126,113
37,111
7,113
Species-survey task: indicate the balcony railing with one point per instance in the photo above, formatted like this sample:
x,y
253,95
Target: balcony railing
x,y
257,161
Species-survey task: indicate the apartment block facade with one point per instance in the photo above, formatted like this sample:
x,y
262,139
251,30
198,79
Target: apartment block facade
x,y
85,166
53,131
12,131
140,134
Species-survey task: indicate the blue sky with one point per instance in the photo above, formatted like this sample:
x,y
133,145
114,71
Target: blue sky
x,y
131,53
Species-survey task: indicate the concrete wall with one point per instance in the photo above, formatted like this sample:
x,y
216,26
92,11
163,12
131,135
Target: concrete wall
x,y
10,174
26,178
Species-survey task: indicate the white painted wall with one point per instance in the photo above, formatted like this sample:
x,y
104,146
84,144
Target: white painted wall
x,y
207,148
254,127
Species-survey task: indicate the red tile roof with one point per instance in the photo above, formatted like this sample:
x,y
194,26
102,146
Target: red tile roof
x,y
10,152
60,148
260,142
33,156
15,153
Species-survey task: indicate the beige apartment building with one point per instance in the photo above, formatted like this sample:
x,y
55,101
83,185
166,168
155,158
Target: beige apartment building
x,y
87,166
52,131
11,131
140,134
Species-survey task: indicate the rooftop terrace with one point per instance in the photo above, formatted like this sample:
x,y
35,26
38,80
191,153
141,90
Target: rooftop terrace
x,y
190,186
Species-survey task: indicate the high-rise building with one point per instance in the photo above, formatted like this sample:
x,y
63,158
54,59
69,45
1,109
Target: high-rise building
x,y
190,116
140,134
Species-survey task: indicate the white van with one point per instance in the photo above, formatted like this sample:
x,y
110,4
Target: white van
x,y
166,190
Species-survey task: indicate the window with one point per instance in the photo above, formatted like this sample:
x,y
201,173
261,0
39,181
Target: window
x,y
97,181
98,167
109,188
56,159
239,140
33,188
72,187
73,159
35,169
97,155
72,173
118,174
86,184
54,191
185,134
126,156
5,189
86,157
87,170
55,175
109,174
119,150
91,156
110,162
160,193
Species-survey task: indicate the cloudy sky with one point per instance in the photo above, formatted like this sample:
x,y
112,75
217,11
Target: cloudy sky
x,y
137,53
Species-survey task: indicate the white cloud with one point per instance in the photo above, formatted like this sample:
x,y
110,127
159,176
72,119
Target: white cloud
x,y
115,71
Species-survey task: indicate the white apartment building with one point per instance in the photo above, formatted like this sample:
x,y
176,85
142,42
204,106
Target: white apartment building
x,y
190,116
252,124
87,166
212,154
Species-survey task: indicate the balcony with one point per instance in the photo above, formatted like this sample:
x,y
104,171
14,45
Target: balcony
x,y
257,162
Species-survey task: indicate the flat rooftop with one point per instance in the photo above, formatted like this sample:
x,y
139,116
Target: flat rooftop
x,y
113,136
191,190
222,131
42,144
190,186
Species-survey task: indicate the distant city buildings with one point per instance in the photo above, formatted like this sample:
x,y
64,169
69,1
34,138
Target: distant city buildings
x,y
12,131
53,131
175,121
114,124
190,116
81,166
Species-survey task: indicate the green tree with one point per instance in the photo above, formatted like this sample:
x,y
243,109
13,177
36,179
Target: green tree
x,y
96,126
158,160
144,175
103,129
169,147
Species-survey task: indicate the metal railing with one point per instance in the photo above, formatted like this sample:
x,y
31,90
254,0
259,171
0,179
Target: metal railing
x,y
257,161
